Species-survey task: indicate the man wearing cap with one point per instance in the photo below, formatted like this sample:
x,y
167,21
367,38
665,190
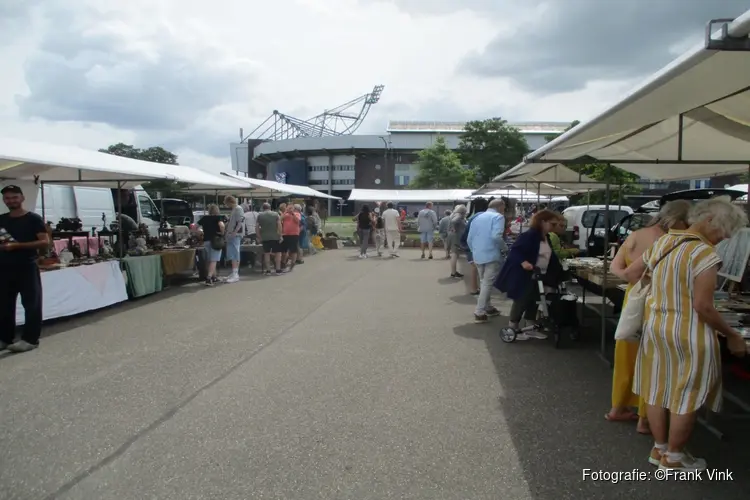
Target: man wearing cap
x,y
22,235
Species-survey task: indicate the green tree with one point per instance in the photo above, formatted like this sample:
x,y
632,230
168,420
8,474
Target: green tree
x,y
621,182
491,147
440,168
156,154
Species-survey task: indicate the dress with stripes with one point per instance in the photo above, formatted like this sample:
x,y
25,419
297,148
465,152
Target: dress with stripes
x,y
678,365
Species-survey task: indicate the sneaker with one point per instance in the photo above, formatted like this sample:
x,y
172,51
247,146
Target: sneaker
x,y
686,463
208,282
22,346
522,336
233,278
457,275
267,272
279,272
492,311
474,293
214,280
361,256
536,334
430,257
654,458
480,318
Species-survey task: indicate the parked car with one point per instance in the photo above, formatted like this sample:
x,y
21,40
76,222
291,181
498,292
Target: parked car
x,y
645,213
585,220
176,211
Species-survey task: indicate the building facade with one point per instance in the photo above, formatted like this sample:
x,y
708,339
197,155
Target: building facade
x,y
337,164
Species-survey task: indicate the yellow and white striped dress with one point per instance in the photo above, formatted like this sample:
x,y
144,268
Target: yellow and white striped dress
x,y
679,364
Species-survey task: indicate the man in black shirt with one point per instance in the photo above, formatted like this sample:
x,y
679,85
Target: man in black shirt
x,y
19,274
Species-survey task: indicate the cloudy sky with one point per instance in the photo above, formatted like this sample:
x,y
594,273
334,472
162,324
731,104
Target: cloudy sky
x,y
187,74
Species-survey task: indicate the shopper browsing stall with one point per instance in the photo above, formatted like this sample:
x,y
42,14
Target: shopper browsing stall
x,y
22,235
269,234
213,241
673,215
290,238
678,370
235,229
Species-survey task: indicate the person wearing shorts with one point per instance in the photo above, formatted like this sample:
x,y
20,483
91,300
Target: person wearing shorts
x,y
213,227
290,237
427,224
268,229
235,229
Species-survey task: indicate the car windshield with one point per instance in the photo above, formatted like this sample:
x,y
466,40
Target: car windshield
x,y
591,217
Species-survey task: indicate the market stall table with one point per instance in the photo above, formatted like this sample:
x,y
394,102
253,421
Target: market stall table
x,y
145,275
74,290
177,261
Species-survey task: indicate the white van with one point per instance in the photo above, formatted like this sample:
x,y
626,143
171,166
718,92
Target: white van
x,y
584,219
91,203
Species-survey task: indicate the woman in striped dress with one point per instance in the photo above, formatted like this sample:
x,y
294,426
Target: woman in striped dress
x,y
672,215
678,368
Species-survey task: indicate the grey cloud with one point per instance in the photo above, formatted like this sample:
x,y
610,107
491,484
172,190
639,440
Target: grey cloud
x,y
577,41
94,78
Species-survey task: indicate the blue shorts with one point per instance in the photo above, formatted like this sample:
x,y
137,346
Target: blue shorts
x,y
211,254
233,248
427,237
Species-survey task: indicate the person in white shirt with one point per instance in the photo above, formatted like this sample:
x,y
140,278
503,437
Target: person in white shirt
x,y
392,223
251,221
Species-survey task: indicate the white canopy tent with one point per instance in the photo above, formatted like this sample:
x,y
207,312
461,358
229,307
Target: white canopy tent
x,y
31,161
410,195
689,120
270,189
548,180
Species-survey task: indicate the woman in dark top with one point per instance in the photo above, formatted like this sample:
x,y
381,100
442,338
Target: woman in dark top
x,y
364,226
531,250
379,230
213,229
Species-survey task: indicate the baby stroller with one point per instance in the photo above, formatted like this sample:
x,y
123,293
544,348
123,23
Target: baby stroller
x,y
558,313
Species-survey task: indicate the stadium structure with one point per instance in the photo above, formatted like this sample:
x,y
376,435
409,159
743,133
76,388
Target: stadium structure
x,y
324,153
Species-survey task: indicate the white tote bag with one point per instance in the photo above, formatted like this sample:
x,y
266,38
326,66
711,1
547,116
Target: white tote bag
x,y
630,325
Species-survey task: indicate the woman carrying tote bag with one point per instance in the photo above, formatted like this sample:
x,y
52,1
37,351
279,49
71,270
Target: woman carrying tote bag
x,y
672,216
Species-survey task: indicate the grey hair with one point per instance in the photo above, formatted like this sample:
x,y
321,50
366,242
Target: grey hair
x,y
459,212
213,210
725,216
266,206
447,212
672,213
297,207
496,204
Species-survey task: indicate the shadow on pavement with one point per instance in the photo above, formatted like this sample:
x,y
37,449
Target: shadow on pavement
x,y
554,401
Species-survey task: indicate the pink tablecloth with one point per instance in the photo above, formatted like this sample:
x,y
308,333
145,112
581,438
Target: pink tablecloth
x,y
61,245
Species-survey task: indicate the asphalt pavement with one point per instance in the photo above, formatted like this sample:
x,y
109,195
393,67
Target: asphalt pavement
x,y
345,379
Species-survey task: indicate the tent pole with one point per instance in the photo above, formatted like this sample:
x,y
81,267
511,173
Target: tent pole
x,y
680,121
603,353
44,213
119,220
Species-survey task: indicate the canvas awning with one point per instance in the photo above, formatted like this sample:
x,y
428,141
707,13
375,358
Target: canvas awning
x,y
549,180
689,120
268,189
410,195
32,161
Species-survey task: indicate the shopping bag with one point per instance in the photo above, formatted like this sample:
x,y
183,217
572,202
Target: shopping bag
x,y
630,325
316,242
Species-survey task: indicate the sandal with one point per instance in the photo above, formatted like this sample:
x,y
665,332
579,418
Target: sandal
x,y
627,416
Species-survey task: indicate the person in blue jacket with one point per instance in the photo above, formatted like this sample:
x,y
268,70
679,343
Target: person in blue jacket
x,y
531,249
478,206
